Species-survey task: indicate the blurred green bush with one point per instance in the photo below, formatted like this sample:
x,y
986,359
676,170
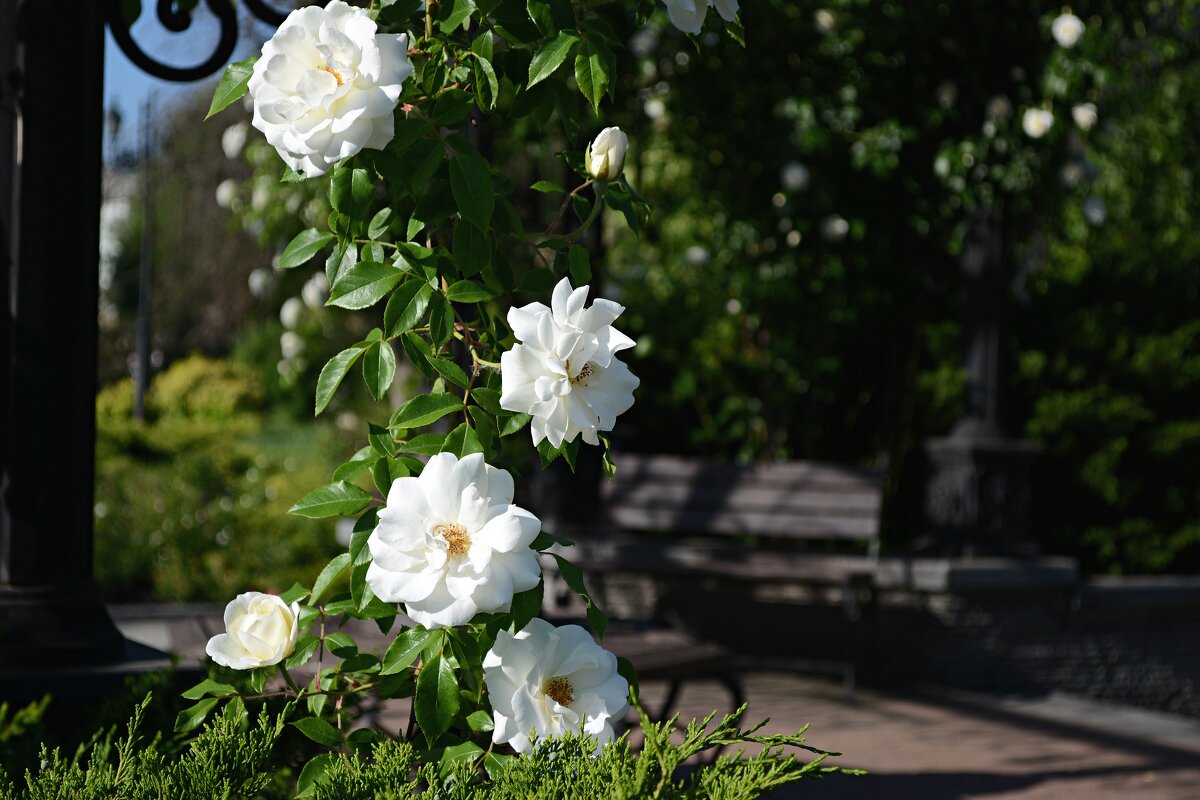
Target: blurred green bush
x,y
191,505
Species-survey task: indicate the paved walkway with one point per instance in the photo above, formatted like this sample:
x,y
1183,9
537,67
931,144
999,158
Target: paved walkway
x,y
931,746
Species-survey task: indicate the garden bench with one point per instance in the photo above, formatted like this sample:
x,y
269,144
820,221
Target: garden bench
x,y
693,521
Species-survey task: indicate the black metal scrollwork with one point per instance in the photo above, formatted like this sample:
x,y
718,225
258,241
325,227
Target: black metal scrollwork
x,y
177,17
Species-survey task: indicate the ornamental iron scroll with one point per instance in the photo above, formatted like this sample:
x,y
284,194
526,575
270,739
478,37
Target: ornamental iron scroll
x,y
176,16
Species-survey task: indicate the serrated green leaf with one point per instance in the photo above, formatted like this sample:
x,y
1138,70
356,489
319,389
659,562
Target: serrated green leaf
x,y
313,773
581,267
436,701
425,409
295,594
303,247
441,320
471,182
359,463
527,605
487,85
591,73
319,731
364,285
379,369
512,423
545,540
454,13
427,444
332,571
450,371
549,187
379,223
551,56
488,400
407,648
472,249
193,716
454,754
469,292
406,307
481,721
350,191
306,646
462,441
339,499
233,85
209,687
332,374
451,108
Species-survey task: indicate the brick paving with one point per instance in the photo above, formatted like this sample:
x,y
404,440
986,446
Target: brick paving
x,y
929,746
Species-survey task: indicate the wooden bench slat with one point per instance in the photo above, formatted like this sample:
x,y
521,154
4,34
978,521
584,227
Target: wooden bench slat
x,y
806,474
637,556
746,497
762,523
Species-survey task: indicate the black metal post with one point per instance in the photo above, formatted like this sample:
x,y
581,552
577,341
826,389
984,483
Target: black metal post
x,y
141,378
979,495
51,613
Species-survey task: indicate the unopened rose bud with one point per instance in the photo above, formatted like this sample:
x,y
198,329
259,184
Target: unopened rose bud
x,y
605,157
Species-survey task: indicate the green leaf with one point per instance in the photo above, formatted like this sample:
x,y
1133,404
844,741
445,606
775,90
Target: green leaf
x,y
234,82
441,320
406,307
487,399
527,605
537,281
472,249
450,371
436,701
481,721
551,56
425,409
466,752
332,571
379,369
471,182
496,763
380,439
427,444
610,468
546,540
340,644
359,463
451,108
625,670
407,648
550,15
319,731
379,223
209,686
332,374
572,575
455,13
549,187
364,285
303,247
418,352
338,499
341,260
487,85
306,646
581,268
591,73
469,292
193,716
462,441
596,618
513,423
314,772
350,191
294,594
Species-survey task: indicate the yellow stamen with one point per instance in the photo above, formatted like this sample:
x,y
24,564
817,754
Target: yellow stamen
x,y
456,537
584,374
560,691
336,75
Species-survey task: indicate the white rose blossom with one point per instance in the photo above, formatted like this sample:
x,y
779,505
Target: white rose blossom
x,y
605,156
326,86
1037,122
290,312
1084,115
688,15
450,543
564,371
234,139
1067,29
260,631
549,681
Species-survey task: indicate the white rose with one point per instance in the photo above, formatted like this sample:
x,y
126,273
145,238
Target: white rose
x,y
291,344
326,86
564,371
688,15
290,311
227,193
794,176
551,681
605,156
233,140
1085,115
1037,122
834,228
260,630
1067,29
315,291
451,544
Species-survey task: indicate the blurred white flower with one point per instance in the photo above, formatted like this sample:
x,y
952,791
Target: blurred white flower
x,y
824,19
605,156
260,196
1094,211
315,291
259,281
290,311
654,108
327,85
564,370
291,344
227,192
1071,174
1037,122
1085,115
234,139
794,176
696,255
547,682
688,15
1067,29
834,228
450,543
999,108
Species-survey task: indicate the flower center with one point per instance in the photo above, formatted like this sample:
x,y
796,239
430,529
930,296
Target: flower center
x,y
337,76
456,537
588,370
560,691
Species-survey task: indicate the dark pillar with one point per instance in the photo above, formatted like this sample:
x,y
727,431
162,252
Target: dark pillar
x,y
51,614
979,495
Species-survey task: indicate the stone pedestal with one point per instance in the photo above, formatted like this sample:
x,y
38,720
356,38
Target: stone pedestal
x,y
979,496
